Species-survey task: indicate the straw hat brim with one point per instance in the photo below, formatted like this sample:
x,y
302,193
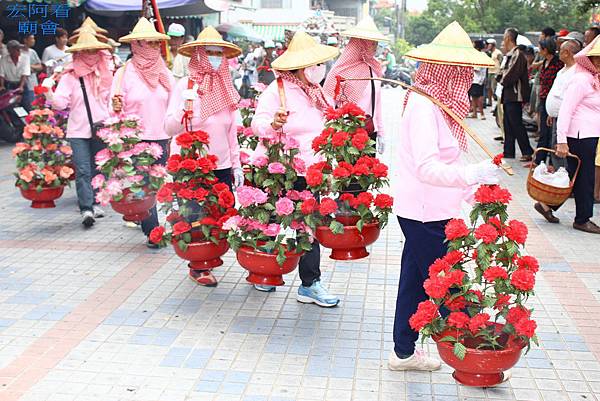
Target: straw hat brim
x,y
95,28
595,51
451,55
99,36
88,46
229,49
148,36
359,34
295,60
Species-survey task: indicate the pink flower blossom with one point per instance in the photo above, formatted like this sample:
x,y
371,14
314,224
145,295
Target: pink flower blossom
x,y
290,143
114,187
293,194
103,197
260,161
140,148
256,225
103,156
155,150
272,230
98,181
158,171
248,132
306,195
248,196
125,154
276,168
136,178
284,207
244,158
113,138
299,165
244,103
232,223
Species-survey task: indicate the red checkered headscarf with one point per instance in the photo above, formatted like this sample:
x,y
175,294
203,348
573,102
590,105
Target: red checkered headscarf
x,y
314,92
354,62
215,87
94,63
584,63
450,85
149,64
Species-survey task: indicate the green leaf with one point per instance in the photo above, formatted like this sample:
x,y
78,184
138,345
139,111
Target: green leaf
x,y
281,256
359,224
336,227
460,351
182,245
449,339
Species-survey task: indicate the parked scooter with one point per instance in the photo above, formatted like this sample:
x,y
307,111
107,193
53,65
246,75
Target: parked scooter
x,y
12,116
399,73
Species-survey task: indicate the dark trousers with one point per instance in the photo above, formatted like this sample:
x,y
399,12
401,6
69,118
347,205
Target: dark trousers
x,y
545,140
514,130
151,222
225,176
424,244
583,190
84,154
310,263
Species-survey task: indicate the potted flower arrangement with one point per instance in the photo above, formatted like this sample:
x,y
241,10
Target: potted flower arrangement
x,y
246,138
128,180
41,160
270,233
481,285
352,211
196,204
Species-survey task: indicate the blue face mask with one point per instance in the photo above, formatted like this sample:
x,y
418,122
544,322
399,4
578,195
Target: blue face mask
x,y
215,61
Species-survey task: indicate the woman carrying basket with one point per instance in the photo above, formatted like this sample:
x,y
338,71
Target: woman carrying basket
x,y
142,88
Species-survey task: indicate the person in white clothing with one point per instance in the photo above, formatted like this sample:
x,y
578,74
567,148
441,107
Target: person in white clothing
x,y
180,62
56,55
14,68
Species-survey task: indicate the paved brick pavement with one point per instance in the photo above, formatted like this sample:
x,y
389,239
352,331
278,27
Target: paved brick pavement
x,y
94,315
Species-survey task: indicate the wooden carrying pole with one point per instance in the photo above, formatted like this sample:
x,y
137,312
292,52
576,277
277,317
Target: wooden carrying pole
x,y
508,169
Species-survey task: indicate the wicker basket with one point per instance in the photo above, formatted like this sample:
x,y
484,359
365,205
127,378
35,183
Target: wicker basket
x,y
544,193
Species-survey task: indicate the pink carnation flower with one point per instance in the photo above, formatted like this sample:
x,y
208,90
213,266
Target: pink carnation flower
x,y
232,223
155,150
299,165
103,156
98,181
260,161
103,197
284,207
244,157
244,103
276,168
272,230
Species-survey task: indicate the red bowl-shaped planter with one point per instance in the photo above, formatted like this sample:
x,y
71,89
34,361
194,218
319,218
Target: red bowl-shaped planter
x,y
481,367
351,244
44,199
204,255
263,267
134,209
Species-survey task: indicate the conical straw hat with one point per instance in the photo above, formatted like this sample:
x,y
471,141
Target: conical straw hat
x,y
144,30
89,29
87,41
366,29
210,37
595,50
92,24
451,46
303,52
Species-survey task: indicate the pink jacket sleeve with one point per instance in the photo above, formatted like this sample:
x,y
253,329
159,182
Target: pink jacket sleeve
x,y
577,90
61,99
234,146
378,113
173,125
423,143
268,104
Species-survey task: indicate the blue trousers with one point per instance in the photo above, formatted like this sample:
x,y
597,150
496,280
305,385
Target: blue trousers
x,y
84,153
424,244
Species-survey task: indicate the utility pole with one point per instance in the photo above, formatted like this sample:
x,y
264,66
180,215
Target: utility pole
x,y
402,21
397,18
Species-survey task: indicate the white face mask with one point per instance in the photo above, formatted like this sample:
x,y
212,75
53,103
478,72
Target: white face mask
x,y
315,73
215,61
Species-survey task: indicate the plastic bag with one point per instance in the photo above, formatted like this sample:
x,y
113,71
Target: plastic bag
x,y
558,179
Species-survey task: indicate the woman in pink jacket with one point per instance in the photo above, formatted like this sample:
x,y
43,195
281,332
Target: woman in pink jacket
x,y
90,72
300,68
214,108
430,179
142,87
358,61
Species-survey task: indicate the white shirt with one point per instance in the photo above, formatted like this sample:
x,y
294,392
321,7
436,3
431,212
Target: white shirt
x,y
555,96
13,72
479,76
54,53
32,81
180,66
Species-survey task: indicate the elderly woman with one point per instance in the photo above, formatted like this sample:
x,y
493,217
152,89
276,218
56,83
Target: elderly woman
x,y
430,179
300,69
578,132
358,61
84,88
142,87
214,99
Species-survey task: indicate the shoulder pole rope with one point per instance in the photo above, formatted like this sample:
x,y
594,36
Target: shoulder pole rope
x,y
508,169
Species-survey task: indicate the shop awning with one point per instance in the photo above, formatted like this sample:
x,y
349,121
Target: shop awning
x,y
132,5
273,32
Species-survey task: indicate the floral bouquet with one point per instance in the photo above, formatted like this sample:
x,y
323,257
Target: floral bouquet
x,y
270,215
348,173
126,164
482,283
246,137
42,158
196,203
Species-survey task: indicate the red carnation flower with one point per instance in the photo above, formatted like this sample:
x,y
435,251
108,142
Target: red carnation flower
x,y
188,164
364,198
380,170
359,141
456,304
360,169
460,320
339,138
186,193
517,231
516,314
492,194
487,233
220,187
453,257
207,164
479,321
383,201
309,206
526,327
156,234
456,228
226,199
436,287
314,177
502,301
181,227
368,160
455,277
164,194
347,198
172,165
426,312
523,280
200,194
185,140
340,172
528,263
498,159
208,221
201,136
438,266
327,206
494,273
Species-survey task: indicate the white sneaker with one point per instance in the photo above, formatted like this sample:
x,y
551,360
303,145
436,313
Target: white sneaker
x,y
417,361
87,218
98,212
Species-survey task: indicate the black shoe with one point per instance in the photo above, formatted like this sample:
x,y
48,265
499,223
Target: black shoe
x,y
499,138
588,227
548,215
87,218
151,245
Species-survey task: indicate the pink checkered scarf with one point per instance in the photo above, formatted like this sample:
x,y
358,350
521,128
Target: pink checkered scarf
x,y
354,62
584,63
149,64
215,87
314,92
94,64
450,85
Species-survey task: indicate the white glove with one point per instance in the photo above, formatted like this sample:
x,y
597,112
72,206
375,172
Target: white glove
x,y
238,177
484,172
48,83
50,63
59,69
380,145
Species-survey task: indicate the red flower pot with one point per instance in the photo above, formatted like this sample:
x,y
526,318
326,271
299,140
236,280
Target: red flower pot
x,y
134,209
263,267
44,199
351,244
203,255
481,367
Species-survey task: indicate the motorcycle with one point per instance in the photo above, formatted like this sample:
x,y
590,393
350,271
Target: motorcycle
x,y
12,116
399,73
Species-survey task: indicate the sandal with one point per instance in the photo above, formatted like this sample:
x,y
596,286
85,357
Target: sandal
x,y
203,277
